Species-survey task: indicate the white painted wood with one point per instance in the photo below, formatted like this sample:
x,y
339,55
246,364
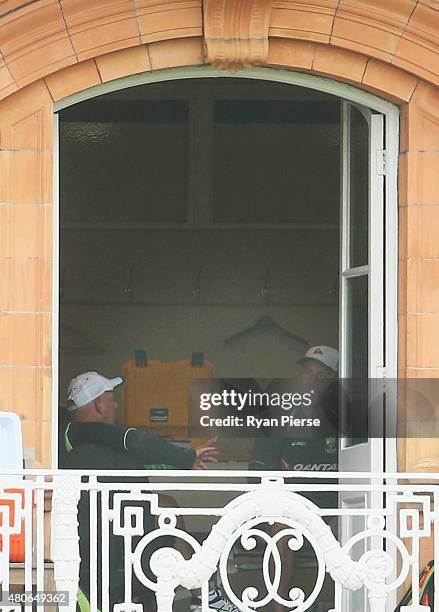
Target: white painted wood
x,y
55,291
267,499
265,74
39,536
368,456
65,538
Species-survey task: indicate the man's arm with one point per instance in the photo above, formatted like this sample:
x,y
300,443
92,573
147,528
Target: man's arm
x,y
152,449
146,447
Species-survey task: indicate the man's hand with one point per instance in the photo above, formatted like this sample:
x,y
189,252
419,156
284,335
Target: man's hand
x,y
284,465
205,453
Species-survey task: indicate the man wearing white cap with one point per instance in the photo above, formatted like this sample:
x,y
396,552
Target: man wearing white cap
x,y
92,410
92,440
90,386
320,362
319,372
317,452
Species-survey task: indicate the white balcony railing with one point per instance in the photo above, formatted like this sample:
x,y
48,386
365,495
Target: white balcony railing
x,y
219,524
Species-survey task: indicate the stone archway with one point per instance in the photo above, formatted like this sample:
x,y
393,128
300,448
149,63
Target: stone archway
x,y
51,49
41,37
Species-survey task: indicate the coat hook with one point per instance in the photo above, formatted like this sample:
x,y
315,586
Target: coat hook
x,y
197,286
129,288
265,291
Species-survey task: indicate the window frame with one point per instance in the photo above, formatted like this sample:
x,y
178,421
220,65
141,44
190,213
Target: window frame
x,y
390,247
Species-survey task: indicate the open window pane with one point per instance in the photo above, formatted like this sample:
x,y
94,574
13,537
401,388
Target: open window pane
x,y
115,162
276,161
357,357
358,327
359,188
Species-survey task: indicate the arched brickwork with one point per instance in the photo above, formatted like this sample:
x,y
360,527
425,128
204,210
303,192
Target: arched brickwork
x,y
40,37
50,49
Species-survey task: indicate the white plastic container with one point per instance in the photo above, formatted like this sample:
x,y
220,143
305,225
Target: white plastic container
x,y
11,446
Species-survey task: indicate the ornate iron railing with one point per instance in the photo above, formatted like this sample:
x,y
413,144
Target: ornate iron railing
x,y
369,543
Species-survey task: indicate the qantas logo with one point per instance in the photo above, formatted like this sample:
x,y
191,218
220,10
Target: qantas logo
x,y
315,467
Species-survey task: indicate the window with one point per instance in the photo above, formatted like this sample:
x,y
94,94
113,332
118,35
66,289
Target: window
x,y
124,161
197,154
193,210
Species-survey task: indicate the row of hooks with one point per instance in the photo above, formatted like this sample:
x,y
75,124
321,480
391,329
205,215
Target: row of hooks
x,y
128,291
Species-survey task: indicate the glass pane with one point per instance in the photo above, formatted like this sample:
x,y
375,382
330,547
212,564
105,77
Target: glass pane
x,y
116,160
355,409
359,188
276,161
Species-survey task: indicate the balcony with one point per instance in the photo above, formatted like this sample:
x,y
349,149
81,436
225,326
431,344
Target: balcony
x,y
178,531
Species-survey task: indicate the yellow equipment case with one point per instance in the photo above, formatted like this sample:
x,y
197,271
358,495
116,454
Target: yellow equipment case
x,y
156,393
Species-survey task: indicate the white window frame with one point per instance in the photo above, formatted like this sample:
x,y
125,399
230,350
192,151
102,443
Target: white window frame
x,y
373,268
347,92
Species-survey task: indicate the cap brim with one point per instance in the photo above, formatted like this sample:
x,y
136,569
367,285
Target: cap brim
x,y
72,407
114,382
304,360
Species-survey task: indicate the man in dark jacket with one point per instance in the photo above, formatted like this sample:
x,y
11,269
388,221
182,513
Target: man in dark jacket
x,y
92,416
91,440
317,452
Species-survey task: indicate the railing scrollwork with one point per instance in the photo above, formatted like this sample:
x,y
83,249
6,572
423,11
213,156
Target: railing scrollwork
x,y
382,554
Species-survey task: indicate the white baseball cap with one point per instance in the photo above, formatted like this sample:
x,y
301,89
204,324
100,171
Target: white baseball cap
x,y
325,354
86,387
